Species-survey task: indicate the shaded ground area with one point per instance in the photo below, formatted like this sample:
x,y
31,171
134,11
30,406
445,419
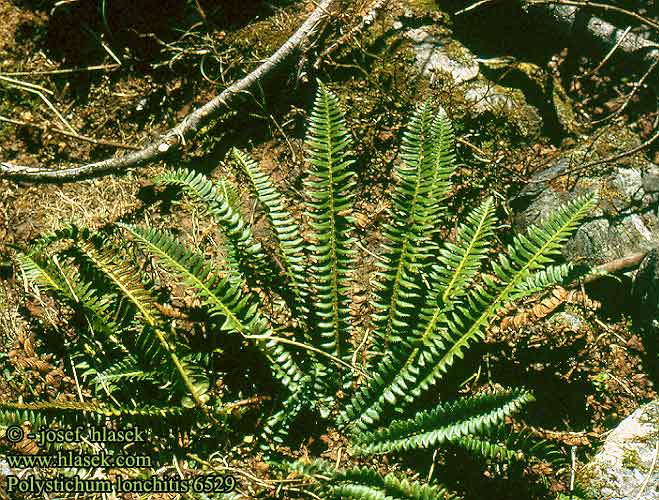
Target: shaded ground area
x,y
115,72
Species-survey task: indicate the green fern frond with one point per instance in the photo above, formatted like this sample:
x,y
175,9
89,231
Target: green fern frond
x,y
505,445
443,155
68,287
446,422
453,327
328,149
465,325
124,278
423,182
246,248
38,273
229,192
397,372
278,425
128,369
542,279
459,263
224,298
290,249
542,244
196,381
99,409
362,483
408,234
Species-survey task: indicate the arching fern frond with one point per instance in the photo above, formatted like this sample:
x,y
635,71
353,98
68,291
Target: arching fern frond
x,y
224,298
454,326
466,324
290,249
542,243
505,445
128,369
362,483
458,265
279,424
408,234
124,278
443,155
67,286
8,409
460,262
248,251
446,422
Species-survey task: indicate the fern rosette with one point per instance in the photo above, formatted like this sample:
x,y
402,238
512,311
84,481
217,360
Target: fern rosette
x,y
289,298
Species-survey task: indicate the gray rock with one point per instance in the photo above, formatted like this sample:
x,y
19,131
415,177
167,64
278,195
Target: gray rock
x,y
485,96
626,467
626,219
566,320
438,56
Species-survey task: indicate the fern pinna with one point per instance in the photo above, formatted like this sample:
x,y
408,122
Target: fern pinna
x,y
290,299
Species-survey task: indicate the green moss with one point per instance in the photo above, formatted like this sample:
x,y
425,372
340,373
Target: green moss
x,y
564,108
631,460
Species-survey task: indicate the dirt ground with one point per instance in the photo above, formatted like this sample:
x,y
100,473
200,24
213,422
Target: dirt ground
x,y
124,75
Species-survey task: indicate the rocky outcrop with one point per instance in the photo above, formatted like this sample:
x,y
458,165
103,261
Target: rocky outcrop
x,y
626,220
438,56
627,466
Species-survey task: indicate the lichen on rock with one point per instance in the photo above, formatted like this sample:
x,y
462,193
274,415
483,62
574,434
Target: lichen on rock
x,y
626,465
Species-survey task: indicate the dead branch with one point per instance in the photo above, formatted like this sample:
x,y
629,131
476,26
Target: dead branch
x,y
623,264
572,21
367,19
616,157
626,263
191,124
602,6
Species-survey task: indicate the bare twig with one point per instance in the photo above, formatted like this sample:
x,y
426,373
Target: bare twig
x,y
41,92
254,400
618,156
602,6
66,71
614,266
573,468
472,7
608,159
630,96
565,18
307,347
47,128
639,496
367,19
191,124
26,85
201,11
611,52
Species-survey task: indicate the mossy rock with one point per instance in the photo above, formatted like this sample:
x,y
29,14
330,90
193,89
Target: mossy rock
x,y
625,466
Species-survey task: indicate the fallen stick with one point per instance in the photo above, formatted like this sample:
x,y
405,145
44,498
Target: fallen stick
x,y
614,266
603,6
572,21
190,125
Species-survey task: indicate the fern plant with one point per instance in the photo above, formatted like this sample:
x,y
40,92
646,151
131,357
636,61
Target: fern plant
x,y
434,299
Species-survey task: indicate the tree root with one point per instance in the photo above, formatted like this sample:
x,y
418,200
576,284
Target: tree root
x,y
192,123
